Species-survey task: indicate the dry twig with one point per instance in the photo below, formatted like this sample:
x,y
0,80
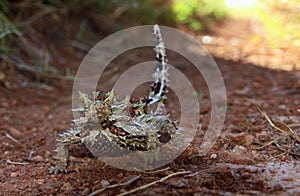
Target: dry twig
x,y
115,185
288,133
153,183
16,163
12,138
153,172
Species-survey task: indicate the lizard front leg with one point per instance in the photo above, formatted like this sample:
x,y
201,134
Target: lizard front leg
x,y
65,139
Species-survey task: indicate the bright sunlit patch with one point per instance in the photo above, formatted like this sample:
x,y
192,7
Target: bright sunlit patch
x,y
238,3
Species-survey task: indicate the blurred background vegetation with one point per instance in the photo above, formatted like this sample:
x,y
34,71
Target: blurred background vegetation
x,y
28,28
281,19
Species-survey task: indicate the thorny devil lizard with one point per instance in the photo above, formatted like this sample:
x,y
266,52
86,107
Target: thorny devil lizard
x,y
129,124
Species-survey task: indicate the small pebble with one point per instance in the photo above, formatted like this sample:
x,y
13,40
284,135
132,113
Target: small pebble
x,y
14,174
67,186
178,183
40,181
213,156
104,183
239,149
86,191
37,158
47,109
14,132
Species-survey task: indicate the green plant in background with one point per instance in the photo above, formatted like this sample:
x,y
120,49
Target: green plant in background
x,y
194,13
198,13
18,54
133,12
6,29
24,54
6,26
4,6
136,11
282,20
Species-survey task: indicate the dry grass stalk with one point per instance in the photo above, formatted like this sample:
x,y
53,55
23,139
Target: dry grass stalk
x,y
289,133
153,183
115,185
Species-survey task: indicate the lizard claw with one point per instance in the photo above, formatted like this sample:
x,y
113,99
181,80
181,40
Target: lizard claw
x,y
58,169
